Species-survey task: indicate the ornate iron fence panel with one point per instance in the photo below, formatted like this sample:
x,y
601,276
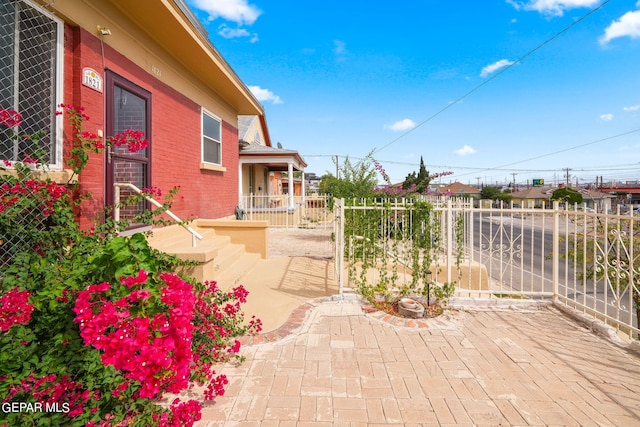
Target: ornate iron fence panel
x,y
584,260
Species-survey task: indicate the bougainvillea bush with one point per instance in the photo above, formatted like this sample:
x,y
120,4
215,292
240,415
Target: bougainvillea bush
x,y
96,329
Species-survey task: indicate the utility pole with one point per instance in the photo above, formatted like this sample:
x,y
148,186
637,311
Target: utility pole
x,y
478,178
337,168
566,170
514,180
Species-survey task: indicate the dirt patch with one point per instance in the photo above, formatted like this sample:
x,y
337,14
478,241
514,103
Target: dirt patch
x,y
313,243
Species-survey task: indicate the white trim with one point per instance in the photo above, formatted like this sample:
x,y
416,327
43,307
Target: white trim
x,y
59,118
57,125
258,159
290,186
240,164
204,111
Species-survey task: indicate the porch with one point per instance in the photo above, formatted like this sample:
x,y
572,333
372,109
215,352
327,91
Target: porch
x,y
272,177
288,211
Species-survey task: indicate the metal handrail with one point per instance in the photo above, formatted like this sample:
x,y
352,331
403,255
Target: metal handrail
x,y
116,213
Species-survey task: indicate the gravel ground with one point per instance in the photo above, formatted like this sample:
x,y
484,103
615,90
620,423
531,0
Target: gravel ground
x,y
313,243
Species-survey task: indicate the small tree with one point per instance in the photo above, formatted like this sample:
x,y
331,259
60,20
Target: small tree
x,y
356,179
420,181
567,195
495,194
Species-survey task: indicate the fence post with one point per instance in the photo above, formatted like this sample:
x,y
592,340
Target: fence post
x,y
449,238
555,249
340,242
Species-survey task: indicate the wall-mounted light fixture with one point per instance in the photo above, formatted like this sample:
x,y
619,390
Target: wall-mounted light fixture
x,y
103,31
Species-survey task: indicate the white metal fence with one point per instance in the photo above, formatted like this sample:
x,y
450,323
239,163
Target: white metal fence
x,y
584,260
311,211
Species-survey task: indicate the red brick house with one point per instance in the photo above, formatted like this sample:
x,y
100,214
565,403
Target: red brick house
x,y
142,65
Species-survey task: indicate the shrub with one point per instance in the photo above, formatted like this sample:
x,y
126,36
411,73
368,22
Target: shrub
x,y
96,328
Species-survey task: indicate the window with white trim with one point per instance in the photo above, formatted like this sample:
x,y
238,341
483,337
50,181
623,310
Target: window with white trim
x,y
30,80
211,139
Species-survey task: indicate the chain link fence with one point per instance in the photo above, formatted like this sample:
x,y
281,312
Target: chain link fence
x,y
29,40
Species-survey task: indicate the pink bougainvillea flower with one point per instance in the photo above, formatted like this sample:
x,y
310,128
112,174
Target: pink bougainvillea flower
x,y
133,139
10,118
153,191
140,279
14,308
30,160
154,351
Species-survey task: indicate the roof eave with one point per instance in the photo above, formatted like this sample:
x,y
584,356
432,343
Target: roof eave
x,y
171,26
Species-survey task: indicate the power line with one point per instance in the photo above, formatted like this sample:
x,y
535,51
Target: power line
x,y
563,150
494,76
504,168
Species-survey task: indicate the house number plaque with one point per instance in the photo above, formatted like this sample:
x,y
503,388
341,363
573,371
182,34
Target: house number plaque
x,y
92,79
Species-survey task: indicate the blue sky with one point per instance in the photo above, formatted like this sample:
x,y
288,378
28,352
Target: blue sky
x,y
494,91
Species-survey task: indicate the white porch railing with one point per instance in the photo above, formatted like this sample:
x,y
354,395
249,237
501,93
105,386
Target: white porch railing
x,y
583,260
308,212
116,212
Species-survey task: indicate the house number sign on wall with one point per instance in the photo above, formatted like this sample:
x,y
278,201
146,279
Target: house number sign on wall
x,y
92,79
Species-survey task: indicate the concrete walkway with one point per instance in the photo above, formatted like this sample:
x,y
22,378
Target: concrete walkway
x,y
493,367
327,362
278,285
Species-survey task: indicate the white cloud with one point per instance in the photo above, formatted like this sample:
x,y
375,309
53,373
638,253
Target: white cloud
x,y
606,117
632,108
232,33
627,26
340,50
464,151
495,67
339,47
404,124
552,7
239,11
265,95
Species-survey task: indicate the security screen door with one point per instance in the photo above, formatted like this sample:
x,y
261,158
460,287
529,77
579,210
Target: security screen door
x,y
128,107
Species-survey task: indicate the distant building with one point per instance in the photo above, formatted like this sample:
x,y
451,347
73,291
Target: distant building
x,y
313,182
457,189
540,197
533,197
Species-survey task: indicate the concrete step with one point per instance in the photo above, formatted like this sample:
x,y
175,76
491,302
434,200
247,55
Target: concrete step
x,y
227,256
232,276
218,259
177,236
175,243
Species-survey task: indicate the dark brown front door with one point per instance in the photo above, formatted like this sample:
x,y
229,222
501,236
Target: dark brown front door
x,y
128,106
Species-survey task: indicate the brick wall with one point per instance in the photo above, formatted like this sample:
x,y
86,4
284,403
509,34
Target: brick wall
x,y
82,50
175,137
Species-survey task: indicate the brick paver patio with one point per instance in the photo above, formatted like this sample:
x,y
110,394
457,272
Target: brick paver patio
x,y
334,365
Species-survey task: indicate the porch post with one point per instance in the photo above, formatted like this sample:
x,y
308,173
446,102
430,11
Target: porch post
x,y
290,176
304,191
240,185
